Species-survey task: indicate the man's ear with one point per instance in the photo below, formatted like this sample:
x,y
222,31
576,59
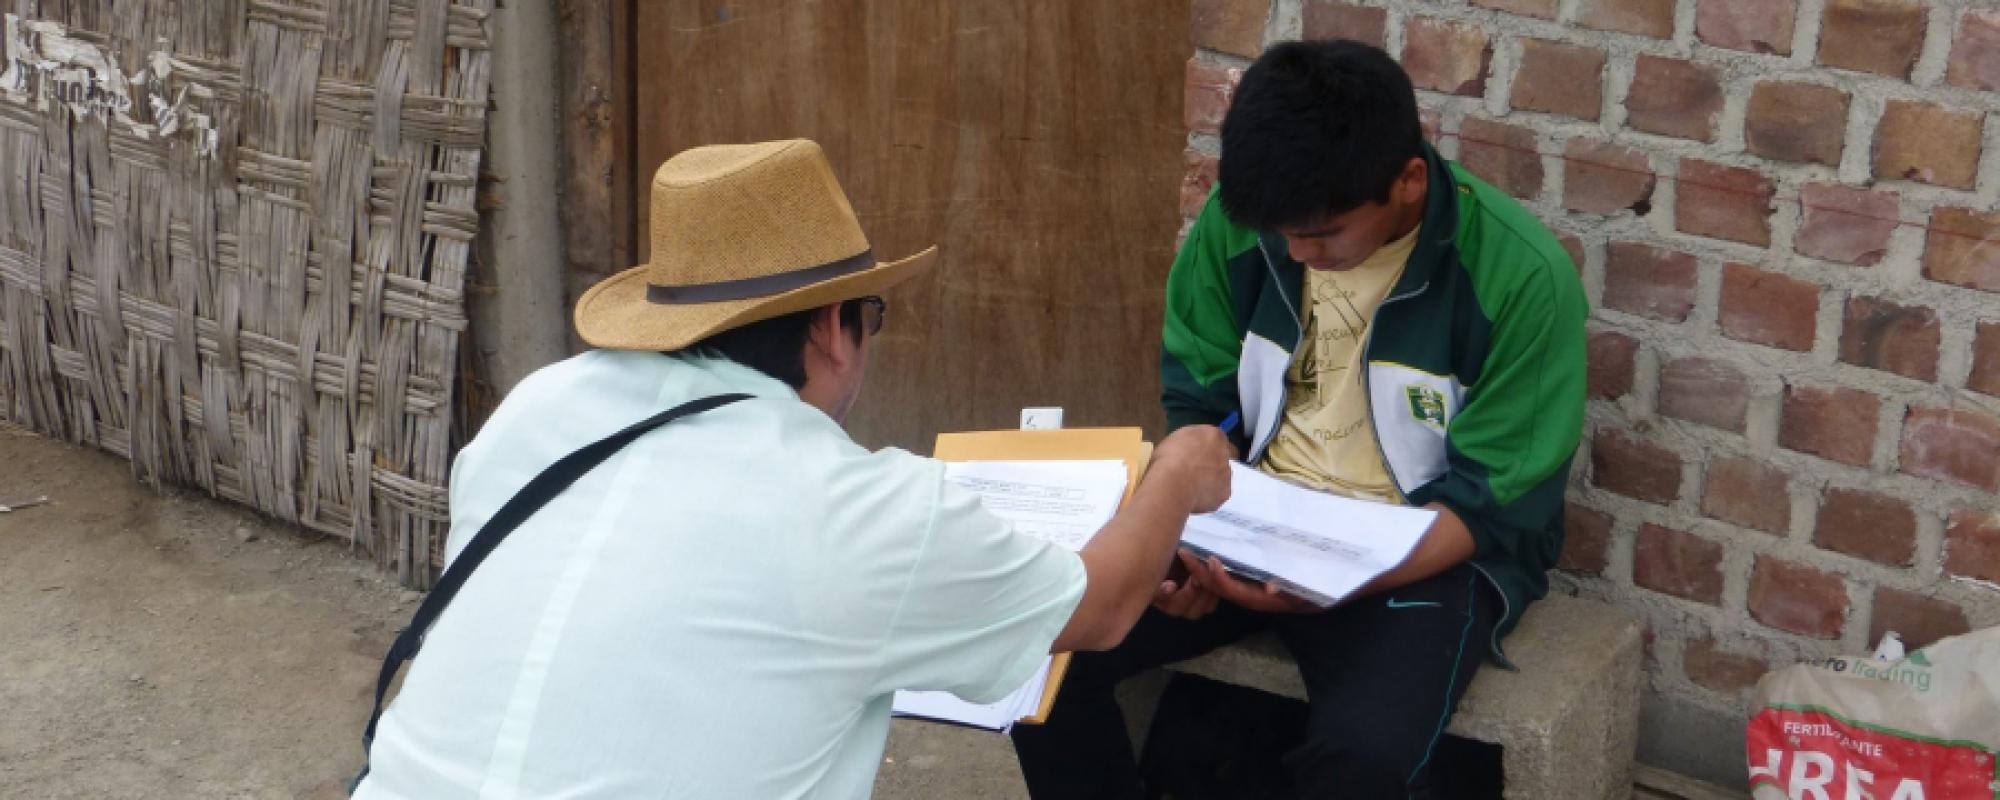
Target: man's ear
x,y
1415,178
825,335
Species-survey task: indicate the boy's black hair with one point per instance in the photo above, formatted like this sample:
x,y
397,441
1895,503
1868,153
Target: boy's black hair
x,y
776,346
1316,128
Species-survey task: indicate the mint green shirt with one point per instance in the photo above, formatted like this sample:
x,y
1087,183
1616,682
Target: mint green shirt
x,y
722,610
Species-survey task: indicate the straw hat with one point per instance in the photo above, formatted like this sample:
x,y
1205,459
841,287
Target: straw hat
x,y
740,233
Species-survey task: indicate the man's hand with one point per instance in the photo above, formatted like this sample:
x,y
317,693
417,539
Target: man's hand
x,y
1265,597
1188,599
1198,457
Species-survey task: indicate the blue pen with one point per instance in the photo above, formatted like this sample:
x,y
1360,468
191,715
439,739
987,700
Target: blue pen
x,y
1229,422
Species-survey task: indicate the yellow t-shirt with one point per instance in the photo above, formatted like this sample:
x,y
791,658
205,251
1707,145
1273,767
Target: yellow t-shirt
x,y
1326,439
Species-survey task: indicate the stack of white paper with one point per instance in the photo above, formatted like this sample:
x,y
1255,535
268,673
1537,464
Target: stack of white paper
x,y
1316,545
995,716
1063,502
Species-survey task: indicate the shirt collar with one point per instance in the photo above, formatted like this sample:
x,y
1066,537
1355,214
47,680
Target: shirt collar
x,y
1437,231
734,377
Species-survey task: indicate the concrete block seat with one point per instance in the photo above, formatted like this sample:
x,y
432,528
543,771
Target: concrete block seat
x,y
1566,722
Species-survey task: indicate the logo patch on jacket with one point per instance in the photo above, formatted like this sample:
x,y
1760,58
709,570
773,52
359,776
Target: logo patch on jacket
x,y
1426,405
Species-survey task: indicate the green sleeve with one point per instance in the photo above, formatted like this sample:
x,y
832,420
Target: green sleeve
x,y
1509,448
1201,340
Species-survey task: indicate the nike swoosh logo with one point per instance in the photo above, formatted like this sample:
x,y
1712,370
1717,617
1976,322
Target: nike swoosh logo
x,y
1394,603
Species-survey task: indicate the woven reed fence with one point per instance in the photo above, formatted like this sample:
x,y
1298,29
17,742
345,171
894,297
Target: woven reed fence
x,y
233,246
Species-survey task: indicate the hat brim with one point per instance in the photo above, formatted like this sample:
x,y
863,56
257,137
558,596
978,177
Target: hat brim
x,y
616,315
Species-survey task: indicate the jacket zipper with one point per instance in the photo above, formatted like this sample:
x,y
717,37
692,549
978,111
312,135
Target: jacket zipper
x,y
1291,356
1506,610
1374,431
1368,385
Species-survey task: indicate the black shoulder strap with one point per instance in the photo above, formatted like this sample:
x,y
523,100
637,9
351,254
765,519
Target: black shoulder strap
x,y
523,505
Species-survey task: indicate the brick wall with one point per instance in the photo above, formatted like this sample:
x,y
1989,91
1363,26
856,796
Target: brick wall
x,y
1787,216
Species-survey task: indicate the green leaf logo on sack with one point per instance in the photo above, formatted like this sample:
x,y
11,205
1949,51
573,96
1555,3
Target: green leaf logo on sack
x,y
1807,753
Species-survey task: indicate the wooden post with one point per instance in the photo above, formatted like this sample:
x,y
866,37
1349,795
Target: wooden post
x,y
598,153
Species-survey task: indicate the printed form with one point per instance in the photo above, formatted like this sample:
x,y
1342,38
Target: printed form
x,y
1318,546
1061,502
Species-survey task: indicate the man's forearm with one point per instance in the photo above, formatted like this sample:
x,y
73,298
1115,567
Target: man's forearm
x,y
1447,544
1125,562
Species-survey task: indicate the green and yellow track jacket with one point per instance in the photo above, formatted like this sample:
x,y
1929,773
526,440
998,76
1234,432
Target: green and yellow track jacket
x,y
1475,364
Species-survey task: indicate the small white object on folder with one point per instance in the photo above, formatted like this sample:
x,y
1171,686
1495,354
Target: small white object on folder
x,y
1062,502
1318,546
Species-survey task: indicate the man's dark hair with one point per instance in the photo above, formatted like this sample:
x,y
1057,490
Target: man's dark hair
x,y
776,346
1316,128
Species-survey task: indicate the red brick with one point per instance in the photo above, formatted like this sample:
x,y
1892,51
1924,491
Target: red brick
x,y
1851,226
1975,52
1882,335
1586,540
1610,363
1560,78
1604,178
1747,492
1963,248
1546,9
1205,100
1673,97
1928,142
1634,467
1653,18
1195,183
1867,525
1797,598
1573,245
1920,620
1723,202
1330,20
1505,155
1796,122
1677,563
1767,308
1648,281
1832,422
1717,669
1985,377
1879,36
1232,26
1446,56
1950,444
1759,26
1705,390
1972,544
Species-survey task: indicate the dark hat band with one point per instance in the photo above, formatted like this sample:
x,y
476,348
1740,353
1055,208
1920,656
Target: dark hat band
x,y
760,286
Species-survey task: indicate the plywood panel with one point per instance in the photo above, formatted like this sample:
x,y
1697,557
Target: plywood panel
x,y
1038,142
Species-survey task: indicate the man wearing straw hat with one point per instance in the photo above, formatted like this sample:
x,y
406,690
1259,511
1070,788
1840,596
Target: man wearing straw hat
x,y
723,606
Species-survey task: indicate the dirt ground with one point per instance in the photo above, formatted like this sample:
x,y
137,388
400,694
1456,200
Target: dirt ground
x,y
162,644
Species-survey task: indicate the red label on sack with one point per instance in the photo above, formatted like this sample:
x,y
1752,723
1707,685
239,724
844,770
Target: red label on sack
x,y
1812,755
